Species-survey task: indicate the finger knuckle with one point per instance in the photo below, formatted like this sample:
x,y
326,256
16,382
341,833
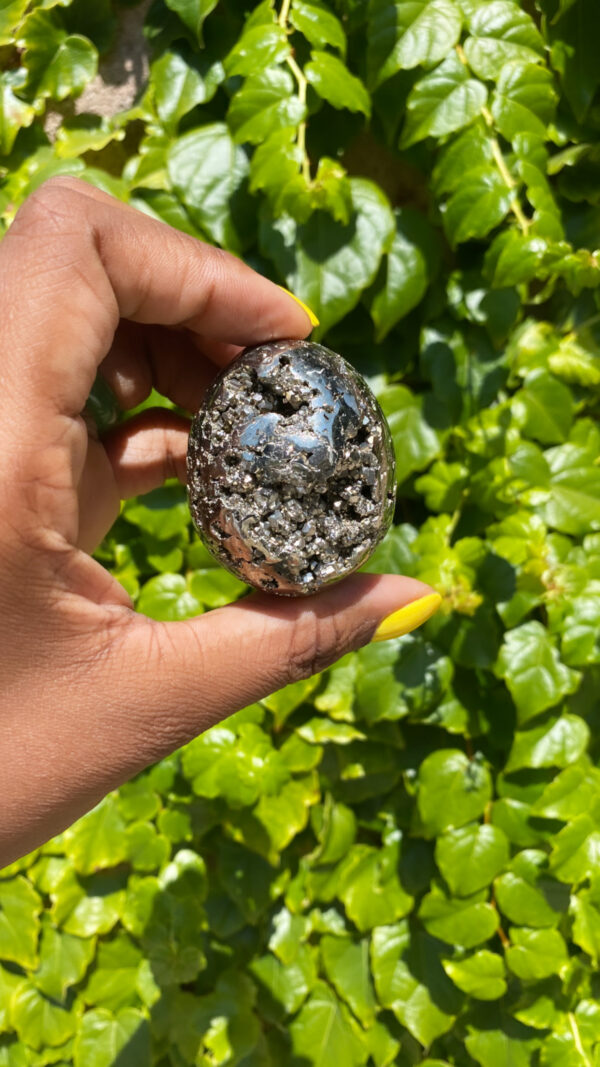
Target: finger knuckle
x,y
316,643
51,204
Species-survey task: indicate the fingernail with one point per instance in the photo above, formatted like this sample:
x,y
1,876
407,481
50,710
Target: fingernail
x,y
408,618
313,318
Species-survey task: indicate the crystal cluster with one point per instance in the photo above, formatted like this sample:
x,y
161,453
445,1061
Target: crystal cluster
x,y
290,468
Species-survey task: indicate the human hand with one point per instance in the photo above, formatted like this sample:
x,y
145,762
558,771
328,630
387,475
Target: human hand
x,y
91,692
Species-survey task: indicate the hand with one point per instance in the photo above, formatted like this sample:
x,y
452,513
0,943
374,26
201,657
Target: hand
x,y
91,692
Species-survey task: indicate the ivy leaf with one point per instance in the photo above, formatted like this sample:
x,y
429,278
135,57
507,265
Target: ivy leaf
x,y
288,985
113,982
441,102
259,47
586,924
544,408
329,264
533,671
464,921
500,33
479,204
59,64
11,13
481,975
324,1033
98,839
318,24
103,1036
207,170
333,82
535,954
372,893
453,790
20,907
576,850
409,980
38,1020
408,34
14,113
193,13
470,858
524,101
525,893
555,743
573,505
64,960
416,442
266,102
347,967
181,81
168,597
406,274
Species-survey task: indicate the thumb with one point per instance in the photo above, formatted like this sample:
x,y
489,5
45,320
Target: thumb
x,y
199,670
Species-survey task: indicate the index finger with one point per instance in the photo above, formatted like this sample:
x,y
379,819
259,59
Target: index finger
x,y
72,264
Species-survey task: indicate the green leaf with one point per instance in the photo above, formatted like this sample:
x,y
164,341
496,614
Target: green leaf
x,y
453,790
64,960
259,47
59,64
318,24
333,82
501,1040
555,743
215,587
162,513
571,793
586,924
464,921
113,983
87,909
501,33
442,102
471,857
409,980
416,442
535,954
544,408
524,100
479,204
20,907
371,891
14,113
576,850
147,850
406,275
347,967
193,13
289,984
38,1020
324,1033
526,895
207,170
103,1036
409,33
168,597
98,839
573,505
181,81
481,975
266,102
533,671
326,263
11,13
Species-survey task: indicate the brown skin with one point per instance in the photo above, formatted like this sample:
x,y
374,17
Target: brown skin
x,y
90,692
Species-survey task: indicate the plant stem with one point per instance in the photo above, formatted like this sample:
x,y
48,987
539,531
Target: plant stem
x,y
507,177
577,1039
302,87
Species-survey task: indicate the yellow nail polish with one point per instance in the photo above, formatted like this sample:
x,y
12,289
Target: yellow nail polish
x,y
313,318
408,618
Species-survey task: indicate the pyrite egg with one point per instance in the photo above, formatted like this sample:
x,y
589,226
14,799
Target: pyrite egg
x,y
290,468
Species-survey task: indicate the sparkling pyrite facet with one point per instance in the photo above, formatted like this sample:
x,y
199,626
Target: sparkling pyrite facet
x,y
290,468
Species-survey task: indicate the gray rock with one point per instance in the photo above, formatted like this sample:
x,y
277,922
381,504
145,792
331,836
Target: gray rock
x,y
290,468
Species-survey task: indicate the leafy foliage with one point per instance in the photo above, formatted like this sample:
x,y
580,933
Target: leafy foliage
x,y
396,862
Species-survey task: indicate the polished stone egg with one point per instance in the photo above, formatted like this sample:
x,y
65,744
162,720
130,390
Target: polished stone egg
x,y
290,468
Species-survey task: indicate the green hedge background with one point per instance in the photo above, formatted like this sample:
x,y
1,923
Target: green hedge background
x,y
396,862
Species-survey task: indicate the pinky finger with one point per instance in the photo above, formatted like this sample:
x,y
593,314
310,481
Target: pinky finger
x,y
146,450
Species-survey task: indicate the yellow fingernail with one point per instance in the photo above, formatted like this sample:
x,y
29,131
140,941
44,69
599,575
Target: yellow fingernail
x,y
313,318
408,618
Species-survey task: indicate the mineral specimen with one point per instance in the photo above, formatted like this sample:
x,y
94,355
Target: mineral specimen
x,y
290,468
